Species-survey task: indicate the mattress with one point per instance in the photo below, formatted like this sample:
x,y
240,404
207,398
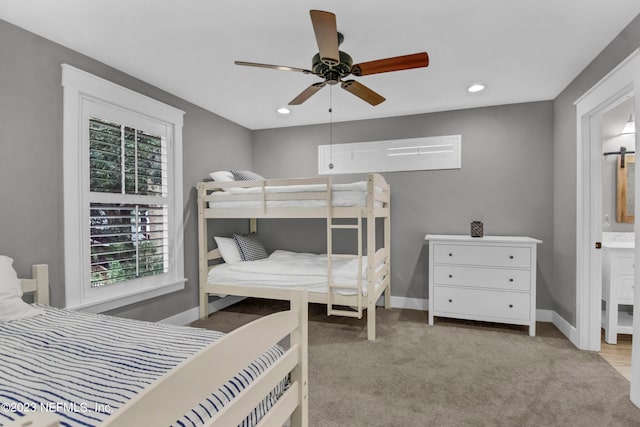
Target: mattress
x,y
285,269
342,195
84,366
360,186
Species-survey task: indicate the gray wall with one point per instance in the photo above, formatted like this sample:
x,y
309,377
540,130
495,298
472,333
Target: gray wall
x,y
506,176
565,167
31,161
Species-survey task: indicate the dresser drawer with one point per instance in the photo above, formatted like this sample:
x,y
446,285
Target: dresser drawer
x,y
479,302
481,277
499,256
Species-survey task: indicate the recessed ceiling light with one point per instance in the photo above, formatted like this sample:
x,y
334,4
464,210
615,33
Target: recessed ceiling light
x,y
283,110
475,88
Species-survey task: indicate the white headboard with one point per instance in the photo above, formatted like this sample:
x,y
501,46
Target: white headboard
x,y
39,284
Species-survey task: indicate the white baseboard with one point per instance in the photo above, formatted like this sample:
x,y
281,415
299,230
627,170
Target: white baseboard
x,y
544,315
566,328
193,314
410,303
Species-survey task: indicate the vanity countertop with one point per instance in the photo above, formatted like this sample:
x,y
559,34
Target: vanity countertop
x,y
618,240
619,245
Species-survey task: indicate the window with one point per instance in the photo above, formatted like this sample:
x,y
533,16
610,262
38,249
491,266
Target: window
x,y
123,194
128,240
424,153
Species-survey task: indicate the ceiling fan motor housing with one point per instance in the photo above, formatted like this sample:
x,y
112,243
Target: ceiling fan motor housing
x,y
332,73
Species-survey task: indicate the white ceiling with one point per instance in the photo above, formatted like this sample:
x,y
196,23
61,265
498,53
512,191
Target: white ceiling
x,y
522,50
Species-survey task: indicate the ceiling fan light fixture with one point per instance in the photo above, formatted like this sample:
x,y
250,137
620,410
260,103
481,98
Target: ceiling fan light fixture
x,y
283,110
476,87
629,127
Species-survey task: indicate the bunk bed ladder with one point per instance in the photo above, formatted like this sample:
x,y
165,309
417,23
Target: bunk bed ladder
x,y
334,287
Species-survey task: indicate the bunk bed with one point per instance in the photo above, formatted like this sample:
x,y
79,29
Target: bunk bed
x,y
355,206
161,372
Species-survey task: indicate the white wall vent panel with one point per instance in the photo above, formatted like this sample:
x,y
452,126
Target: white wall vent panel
x,y
427,153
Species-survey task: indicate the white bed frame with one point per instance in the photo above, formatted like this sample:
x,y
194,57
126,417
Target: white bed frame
x,y
377,206
207,370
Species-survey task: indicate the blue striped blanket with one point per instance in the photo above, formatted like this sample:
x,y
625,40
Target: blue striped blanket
x,y
84,366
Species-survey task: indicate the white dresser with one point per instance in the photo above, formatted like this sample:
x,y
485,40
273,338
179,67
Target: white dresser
x,y
491,278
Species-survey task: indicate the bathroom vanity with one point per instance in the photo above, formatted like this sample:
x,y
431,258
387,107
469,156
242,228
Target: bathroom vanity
x,y
617,283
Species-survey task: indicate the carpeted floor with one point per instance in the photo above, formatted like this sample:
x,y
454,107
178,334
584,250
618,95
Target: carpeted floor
x,y
456,373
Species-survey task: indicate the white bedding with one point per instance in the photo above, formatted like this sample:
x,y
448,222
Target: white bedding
x,y
342,195
360,186
286,269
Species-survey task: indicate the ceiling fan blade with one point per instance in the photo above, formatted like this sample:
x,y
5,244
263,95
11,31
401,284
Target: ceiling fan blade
x,y
325,27
274,67
405,62
362,92
307,93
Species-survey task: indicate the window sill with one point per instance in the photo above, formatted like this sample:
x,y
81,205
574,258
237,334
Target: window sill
x,y
131,298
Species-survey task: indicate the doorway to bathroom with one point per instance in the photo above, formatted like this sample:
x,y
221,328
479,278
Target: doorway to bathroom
x,y
618,237
620,85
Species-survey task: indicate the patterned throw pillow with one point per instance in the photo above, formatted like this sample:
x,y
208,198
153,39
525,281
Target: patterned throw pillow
x,y
251,247
247,176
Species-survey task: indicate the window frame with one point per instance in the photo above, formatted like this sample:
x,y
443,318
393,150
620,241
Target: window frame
x,y
84,94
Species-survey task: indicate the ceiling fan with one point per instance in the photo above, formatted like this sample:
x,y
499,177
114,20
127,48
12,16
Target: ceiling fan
x,y
334,65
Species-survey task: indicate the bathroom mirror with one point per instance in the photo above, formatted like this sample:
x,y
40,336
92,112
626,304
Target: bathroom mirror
x,y
625,200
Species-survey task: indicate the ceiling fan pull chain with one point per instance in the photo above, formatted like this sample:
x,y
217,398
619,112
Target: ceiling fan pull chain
x,y
330,127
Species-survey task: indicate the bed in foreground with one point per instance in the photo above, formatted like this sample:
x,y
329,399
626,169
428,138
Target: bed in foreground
x,y
79,369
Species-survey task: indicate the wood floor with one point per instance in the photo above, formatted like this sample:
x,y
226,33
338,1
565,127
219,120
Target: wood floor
x,y
619,355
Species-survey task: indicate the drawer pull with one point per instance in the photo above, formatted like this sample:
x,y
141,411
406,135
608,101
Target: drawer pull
x,y
511,280
450,254
510,256
510,305
450,276
450,300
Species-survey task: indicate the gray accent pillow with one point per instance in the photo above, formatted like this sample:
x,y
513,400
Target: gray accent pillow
x,y
247,176
251,247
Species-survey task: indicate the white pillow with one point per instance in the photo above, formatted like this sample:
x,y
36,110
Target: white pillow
x,y
228,249
11,305
222,176
246,176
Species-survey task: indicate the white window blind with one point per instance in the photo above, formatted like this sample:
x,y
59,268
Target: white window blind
x,y
126,160
127,240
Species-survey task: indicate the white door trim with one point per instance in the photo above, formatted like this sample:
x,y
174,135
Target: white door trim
x,y
622,82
